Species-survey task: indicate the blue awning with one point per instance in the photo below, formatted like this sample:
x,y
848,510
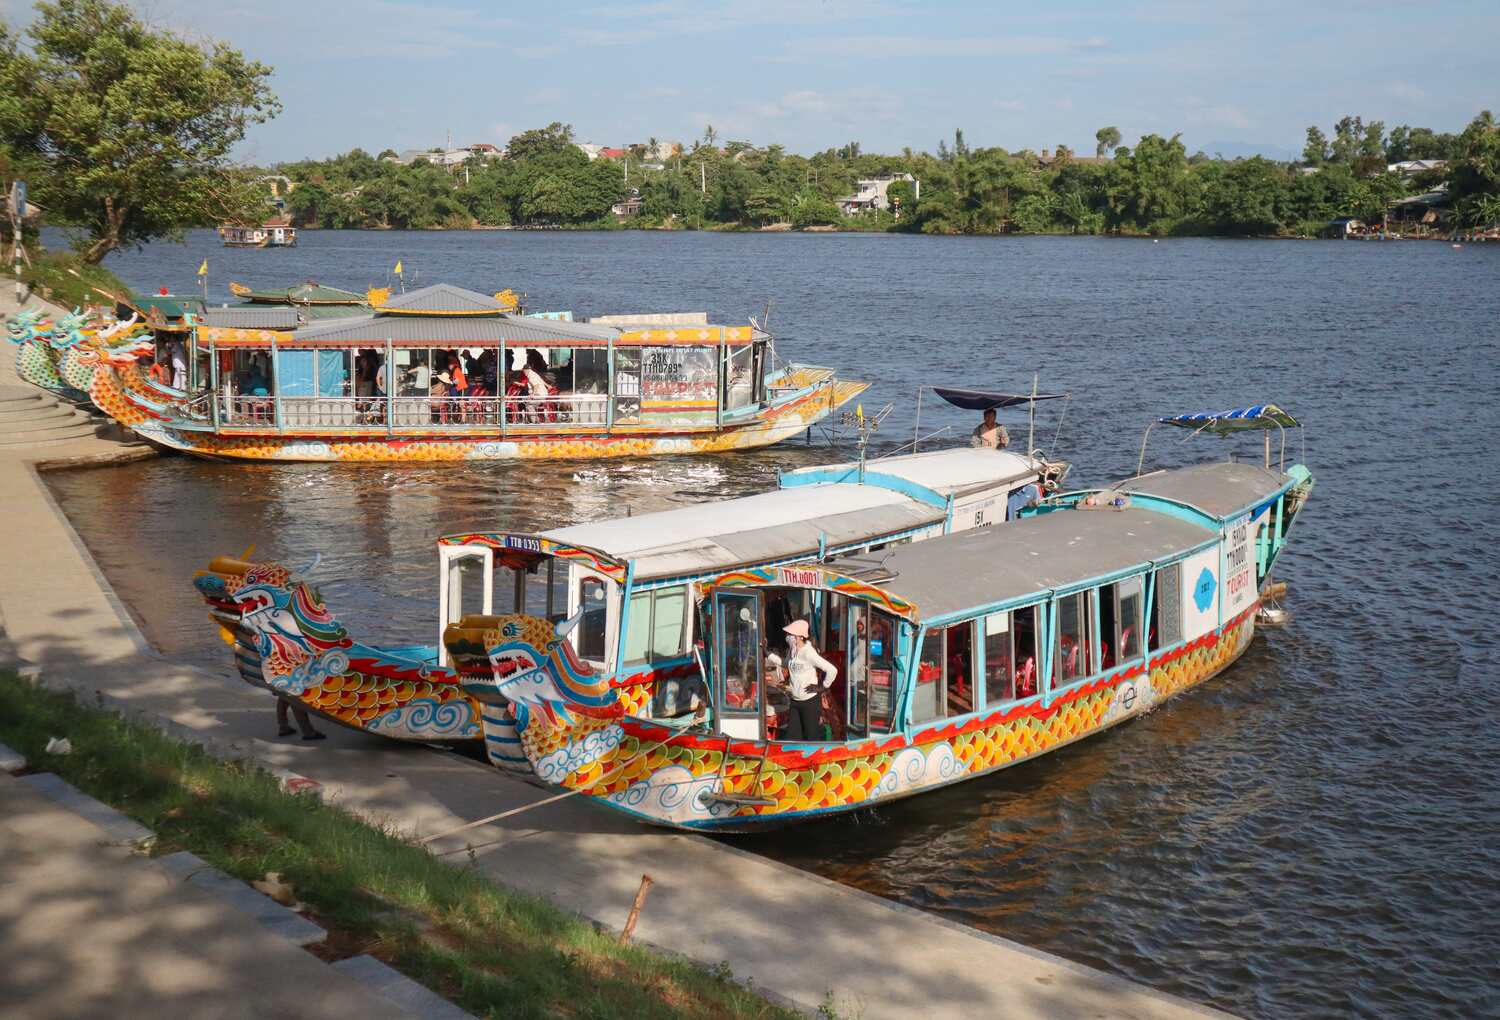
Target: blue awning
x,y
1258,416
983,400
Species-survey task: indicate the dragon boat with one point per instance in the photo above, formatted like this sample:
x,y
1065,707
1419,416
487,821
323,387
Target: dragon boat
x,y
966,654
385,386
62,354
620,589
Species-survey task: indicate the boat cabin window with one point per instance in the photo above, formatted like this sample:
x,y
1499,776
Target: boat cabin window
x,y
739,641
657,630
413,372
1010,661
1074,645
593,628
627,384
1127,603
945,673
739,378
1166,608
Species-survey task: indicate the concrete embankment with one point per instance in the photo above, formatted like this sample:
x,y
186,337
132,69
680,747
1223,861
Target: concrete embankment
x,y
800,938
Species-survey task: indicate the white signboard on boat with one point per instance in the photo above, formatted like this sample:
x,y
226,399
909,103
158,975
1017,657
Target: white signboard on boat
x,y
1200,593
1239,567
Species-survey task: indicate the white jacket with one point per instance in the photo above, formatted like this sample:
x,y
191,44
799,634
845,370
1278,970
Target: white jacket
x,y
802,672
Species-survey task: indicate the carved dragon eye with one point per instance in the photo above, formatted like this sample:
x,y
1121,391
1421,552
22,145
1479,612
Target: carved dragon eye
x,y
511,629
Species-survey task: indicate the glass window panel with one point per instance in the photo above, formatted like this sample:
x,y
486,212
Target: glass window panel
x,y
1071,654
959,669
638,628
593,628
926,700
1023,623
999,668
591,370
668,622
882,658
740,634
1130,618
739,387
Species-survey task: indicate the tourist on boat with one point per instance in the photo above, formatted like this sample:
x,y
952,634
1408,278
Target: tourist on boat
x,y
179,364
161,372
990,434
803,664
458,382
441,387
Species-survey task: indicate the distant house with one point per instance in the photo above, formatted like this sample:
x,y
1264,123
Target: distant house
x,y
613,153
1049,158
658,153
871,193
630,206
1412,167
589,149
1345,227
448,157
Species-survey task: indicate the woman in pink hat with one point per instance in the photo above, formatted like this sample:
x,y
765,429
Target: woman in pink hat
x,y
803,664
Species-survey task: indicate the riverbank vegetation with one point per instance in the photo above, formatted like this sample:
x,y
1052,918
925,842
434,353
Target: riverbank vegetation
x,y
1153,187
67,280
125,130
492,951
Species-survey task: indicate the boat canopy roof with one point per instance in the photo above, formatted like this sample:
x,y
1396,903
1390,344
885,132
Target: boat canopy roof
x,y
1218,489
973,569
982,400
953,472
1257,416
309,293
767,527
254,316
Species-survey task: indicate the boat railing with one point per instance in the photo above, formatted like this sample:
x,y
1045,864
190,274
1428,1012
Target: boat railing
x,y
402,412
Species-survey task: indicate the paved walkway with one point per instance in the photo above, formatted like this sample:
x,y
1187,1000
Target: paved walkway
x,y
797,936
90,929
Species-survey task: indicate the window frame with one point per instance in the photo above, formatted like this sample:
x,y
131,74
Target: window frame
x,y
1174,571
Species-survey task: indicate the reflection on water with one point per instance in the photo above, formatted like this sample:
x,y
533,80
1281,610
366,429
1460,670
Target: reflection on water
x,y
1317,832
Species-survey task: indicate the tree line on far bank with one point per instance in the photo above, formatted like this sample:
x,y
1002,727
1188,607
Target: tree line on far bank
x,y
1153,187
125,131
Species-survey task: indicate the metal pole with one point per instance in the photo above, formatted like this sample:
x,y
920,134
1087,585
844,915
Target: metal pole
x,y
1031,432
916,429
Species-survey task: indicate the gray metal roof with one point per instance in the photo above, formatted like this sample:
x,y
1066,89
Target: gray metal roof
x,y
457,331
253,317
708,538
443,297
1035,554
1218,488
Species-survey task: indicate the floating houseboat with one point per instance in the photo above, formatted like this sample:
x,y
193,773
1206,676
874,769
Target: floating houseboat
x,y
444,373
966,654
271,234
627,581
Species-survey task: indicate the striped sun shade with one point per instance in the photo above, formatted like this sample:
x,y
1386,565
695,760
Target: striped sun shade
x,y
1258,416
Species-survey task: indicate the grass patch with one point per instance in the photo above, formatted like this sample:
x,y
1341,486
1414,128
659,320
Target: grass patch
x,y
49,277
490,950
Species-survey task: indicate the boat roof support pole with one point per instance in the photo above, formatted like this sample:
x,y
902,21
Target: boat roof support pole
x,y
1031,415
276,387
213,384
502,373
916,429
390,387
1141,463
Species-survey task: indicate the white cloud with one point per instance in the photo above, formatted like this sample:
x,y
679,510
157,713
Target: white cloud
x,y
902,46
1010,105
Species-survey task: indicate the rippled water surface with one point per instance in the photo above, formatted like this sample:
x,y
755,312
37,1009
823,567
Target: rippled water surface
x,y
1317,832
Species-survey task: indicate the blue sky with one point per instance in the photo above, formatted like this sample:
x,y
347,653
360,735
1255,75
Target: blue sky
x,y
1231,76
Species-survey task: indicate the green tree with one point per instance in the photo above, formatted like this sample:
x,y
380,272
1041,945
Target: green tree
x,y
1108,138
1247,196
1474,176
126,130
1149,187
542,143
1316,152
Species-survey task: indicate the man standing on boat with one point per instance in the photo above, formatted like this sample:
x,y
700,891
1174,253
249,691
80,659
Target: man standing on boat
x,y
990,434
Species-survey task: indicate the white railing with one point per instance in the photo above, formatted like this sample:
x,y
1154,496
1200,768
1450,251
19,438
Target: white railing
x,y
569,409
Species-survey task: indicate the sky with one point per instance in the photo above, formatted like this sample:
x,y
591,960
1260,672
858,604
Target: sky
x,y
1233,77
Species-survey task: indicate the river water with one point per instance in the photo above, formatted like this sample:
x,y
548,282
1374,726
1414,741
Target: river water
x,y
1315,833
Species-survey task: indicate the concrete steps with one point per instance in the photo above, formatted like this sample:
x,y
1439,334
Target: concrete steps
x,y
30,417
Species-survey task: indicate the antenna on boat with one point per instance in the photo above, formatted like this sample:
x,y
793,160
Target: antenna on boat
x,y
856,419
